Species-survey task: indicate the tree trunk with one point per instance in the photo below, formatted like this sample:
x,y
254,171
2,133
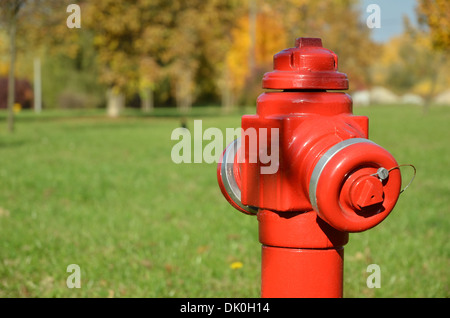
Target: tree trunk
x,y
184,92
434,80
251,76
252,16
147,103
183,95
227,92
116,102
37,85
11,77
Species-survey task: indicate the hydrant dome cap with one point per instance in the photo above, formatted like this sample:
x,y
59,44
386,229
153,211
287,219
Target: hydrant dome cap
x,y
306,66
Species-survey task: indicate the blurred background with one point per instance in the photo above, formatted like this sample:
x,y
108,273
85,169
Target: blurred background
x,y
86,175
148,54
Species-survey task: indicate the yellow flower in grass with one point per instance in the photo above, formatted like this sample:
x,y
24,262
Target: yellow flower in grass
x,y
236,265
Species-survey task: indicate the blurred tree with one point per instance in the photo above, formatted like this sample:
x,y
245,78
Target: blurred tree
x,y
117,27
270,38
149,73
187,50
436,15
148,41
279,23
197,37
43,26
409,64
4,61
215,41
182,52
68,58
350,39
9,12
338,24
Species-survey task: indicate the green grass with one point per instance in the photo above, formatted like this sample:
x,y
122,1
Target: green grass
x,y
105,194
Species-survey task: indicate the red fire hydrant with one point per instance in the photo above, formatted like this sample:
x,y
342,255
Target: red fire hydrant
x,y
327,180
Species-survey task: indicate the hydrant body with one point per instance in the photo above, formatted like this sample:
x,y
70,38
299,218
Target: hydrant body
x,y
328,180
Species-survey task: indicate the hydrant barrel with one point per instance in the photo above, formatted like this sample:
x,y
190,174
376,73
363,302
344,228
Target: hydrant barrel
x,y
319,268
328,180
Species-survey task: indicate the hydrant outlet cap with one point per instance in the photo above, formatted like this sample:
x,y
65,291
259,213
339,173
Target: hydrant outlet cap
x,y
307,66
345,188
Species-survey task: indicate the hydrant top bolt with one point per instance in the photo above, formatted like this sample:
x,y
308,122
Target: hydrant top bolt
x,y
304,42
306,66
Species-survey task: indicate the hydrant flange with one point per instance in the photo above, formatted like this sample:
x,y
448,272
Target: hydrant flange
x,y
229,179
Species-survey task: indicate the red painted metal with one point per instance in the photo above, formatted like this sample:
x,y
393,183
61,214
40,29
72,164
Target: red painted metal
x,y
307,66
326,183
305,273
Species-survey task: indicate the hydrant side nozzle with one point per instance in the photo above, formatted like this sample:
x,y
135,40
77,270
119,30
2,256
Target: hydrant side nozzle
x,y
228,178
344,191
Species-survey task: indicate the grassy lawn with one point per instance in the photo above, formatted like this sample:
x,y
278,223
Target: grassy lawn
x,y
105,194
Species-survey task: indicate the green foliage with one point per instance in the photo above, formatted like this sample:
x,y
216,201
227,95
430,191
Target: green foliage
x,y
64,76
